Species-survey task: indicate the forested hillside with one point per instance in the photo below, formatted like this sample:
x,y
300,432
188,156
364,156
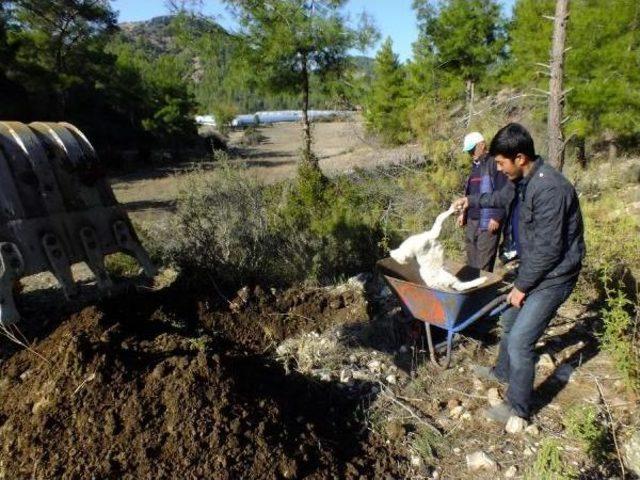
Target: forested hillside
x,y
132,85
469,50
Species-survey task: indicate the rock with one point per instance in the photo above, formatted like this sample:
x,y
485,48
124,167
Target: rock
x,y
374,366
532,430
391,379
456,411
493,397
564,372
511,472
515,424
362,376
477,461
453,403
631,450
346,375
546,361
359,281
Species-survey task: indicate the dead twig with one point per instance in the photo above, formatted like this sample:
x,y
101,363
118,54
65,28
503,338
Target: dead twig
x,y
613,428
389,395
470,395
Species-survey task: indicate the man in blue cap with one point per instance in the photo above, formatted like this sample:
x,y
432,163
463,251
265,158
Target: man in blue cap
x,y
482,233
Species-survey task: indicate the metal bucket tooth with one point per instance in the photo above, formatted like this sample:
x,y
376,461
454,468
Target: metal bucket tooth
x,y
127,242
11,268
95,258
60,265
57,208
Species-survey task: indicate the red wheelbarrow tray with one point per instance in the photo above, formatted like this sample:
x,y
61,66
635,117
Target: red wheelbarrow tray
x,y
447,309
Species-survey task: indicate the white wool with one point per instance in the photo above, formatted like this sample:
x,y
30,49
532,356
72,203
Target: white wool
x,y
429,254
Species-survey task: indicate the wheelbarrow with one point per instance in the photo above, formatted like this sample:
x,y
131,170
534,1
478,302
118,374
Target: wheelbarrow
x,y
450,310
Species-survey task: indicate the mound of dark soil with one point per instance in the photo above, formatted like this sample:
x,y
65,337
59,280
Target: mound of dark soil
x,y
161,386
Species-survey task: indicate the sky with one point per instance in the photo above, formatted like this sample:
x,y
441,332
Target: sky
x,y
394,18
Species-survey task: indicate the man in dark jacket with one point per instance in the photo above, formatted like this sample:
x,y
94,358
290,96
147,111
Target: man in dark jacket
x,y
482,232
547,230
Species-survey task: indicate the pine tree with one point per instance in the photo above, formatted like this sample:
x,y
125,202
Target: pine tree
x,y
466,37
602,67
530,43
386,112
290,40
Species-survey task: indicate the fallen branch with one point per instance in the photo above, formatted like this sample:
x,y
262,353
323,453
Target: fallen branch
x,y
613,428
389,395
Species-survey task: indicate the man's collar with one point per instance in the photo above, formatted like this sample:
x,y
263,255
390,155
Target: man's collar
x,y
537,163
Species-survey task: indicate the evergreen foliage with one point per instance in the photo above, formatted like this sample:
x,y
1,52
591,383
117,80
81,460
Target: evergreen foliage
x,y
290,40
464,37
386,112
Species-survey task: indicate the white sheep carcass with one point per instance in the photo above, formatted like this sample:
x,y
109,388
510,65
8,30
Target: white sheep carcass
x,y
429,254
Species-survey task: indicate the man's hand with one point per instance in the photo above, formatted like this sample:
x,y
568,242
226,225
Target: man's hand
x,y
461,220
494,226
516,297
461,204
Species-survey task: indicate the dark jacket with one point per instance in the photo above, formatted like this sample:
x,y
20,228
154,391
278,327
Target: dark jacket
x,y
550,226
490,180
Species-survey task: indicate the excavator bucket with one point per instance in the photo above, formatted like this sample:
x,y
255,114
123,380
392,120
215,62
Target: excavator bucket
x,y
56,209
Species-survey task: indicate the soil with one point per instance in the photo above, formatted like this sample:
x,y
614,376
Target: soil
x,y
168,385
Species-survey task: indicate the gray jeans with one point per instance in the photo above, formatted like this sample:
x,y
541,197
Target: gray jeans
x,y
521,329
481,246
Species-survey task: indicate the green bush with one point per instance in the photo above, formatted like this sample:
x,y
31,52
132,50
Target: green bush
x,y
620,336
549,464
584,423
121,265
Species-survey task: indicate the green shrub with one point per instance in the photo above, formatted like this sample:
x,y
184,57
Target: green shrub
x,y
584,423
121,265
220,230
251,136
620,336
549,464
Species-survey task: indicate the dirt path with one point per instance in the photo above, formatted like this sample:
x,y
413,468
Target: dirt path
x,y
340,146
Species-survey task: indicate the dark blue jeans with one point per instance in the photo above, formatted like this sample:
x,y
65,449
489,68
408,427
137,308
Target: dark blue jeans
x,y
522,327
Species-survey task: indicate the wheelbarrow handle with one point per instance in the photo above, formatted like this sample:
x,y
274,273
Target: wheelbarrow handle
x,y
494,307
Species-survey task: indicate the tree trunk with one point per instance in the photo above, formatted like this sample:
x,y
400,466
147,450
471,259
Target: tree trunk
x,y
556,95
470,99
306,126
581,152
612,147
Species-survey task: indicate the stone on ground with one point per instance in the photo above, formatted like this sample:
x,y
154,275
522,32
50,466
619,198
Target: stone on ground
x,y
515,424
493,397
479,460
632,453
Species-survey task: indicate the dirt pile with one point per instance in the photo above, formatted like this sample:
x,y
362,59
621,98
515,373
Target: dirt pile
x,y
137,389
